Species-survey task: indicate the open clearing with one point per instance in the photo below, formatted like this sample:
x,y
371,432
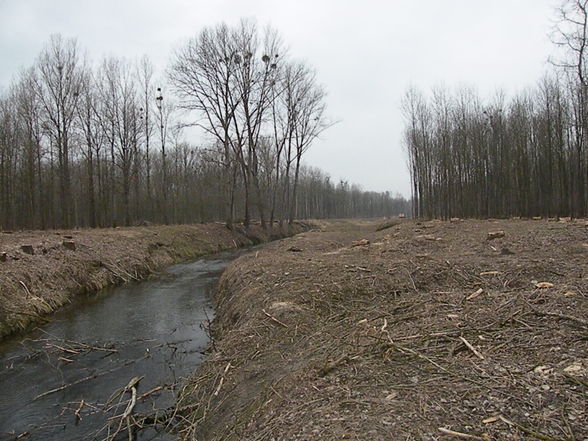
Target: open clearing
x,y
431,331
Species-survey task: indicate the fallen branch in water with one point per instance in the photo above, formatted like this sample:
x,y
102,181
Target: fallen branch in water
x,y
65,386
61,348
78,410
89,377
126,415
15,436
152,391
77,344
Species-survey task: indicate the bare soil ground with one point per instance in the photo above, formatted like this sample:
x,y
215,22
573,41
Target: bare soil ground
x,y
428,332
65,263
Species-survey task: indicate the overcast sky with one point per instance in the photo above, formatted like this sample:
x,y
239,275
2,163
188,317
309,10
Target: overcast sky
x,y
366,53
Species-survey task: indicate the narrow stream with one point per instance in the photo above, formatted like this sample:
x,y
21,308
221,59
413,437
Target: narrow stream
x,y
55,383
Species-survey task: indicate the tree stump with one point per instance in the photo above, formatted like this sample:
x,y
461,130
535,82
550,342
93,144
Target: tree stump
x,y
69,244
28,249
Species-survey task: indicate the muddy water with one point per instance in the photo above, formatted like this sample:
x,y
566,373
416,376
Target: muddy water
x,y
155,329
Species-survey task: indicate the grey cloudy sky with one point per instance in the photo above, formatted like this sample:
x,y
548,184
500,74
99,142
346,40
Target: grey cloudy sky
x,y
367,53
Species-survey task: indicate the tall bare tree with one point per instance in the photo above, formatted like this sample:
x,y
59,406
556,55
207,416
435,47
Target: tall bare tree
x,y
59,80
203,72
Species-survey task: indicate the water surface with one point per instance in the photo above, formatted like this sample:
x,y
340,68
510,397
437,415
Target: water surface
x,y
156,329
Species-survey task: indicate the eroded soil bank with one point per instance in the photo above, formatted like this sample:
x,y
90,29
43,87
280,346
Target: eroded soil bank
x,y
430,331
41,271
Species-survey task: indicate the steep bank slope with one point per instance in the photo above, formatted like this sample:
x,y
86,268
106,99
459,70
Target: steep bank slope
x,y
41,270
428,332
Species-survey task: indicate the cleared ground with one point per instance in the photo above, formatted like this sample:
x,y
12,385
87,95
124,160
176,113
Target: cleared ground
x,y
421,331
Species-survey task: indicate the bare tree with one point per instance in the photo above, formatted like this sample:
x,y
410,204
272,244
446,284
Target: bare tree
x,y
255,79
203,73
308,121
58,90
93,138
145,72
121,107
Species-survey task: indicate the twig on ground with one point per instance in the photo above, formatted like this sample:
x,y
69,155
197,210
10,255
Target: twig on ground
x,y
274,319
471,348
461,434
530,432
571,318
333,365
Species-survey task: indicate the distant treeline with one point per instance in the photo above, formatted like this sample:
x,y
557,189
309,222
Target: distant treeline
x,y
320,198
522,156
103,144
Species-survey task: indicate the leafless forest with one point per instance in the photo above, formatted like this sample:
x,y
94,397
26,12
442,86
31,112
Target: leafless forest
x,y
522,156
86,143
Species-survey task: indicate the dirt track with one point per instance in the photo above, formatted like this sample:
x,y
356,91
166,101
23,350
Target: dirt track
x,y
428,329
34,285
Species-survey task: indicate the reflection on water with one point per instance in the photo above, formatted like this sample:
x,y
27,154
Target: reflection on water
x,y
55,383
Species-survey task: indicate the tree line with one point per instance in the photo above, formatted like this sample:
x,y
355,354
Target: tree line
x,y
526,155
85,144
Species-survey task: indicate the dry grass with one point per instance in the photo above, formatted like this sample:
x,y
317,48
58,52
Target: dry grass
x,y
429,332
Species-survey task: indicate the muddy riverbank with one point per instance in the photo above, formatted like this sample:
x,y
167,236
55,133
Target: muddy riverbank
x,y
430,331
40,271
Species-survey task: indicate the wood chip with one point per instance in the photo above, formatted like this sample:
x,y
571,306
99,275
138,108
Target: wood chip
x,y
476,294
426,237
459,434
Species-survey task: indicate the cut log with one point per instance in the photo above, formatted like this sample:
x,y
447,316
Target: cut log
x,y
495,235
